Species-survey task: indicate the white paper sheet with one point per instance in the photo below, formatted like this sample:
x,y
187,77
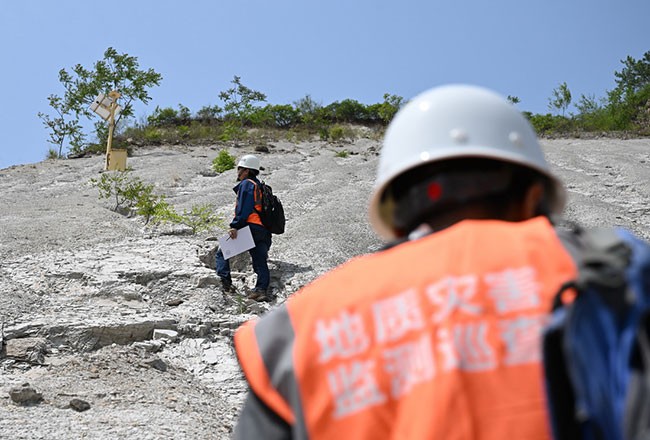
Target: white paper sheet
x,y
231,247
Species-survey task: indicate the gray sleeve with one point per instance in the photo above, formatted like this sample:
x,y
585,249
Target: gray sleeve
x,y
275,337
257,421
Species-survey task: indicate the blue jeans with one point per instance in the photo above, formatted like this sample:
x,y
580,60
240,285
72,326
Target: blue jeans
x,y
259,255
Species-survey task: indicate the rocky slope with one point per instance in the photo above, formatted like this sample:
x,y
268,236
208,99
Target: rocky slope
x,y
121,330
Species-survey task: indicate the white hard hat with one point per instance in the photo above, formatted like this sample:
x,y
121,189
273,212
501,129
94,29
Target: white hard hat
x,y
456,121
249,161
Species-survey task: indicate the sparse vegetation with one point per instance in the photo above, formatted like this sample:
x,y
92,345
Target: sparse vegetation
x,y
243,116
223,162
52,154
560,99
198,218
120,187
115,71
151,206
336,133
131,195
626,108
63,127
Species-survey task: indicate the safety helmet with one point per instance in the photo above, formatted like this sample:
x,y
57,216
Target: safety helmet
x,y
249,161
455,121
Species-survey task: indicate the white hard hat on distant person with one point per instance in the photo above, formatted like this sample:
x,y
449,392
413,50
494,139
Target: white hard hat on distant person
x,y
456,121
249,161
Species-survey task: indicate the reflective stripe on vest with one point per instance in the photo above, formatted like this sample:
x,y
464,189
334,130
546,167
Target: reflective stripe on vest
x,y
435,338
254,367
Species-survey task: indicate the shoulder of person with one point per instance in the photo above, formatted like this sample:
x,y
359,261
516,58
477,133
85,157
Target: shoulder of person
x,y
252,180
247,184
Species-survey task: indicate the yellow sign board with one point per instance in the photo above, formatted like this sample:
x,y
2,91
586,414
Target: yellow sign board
x,y
116,160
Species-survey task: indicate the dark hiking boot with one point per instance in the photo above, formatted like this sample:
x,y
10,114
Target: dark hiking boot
x,y
226,285
257,294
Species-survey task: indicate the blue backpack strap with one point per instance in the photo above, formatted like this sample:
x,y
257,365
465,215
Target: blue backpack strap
x,y
637,409
636,421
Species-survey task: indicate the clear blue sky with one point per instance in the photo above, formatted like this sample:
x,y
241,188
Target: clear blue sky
x,y
331,50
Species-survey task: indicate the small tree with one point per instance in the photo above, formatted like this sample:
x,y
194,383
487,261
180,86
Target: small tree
x,y
239,100
198,218
119,186
389,107
587,104
150,205
561,98
635,74
309,111
131,193
209,114
629,101
115,71
61,126
592,113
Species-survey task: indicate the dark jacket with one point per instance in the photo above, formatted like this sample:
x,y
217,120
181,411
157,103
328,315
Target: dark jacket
x,y
245,191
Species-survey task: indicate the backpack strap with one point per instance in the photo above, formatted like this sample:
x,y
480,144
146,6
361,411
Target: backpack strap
x,y
257,192
602,257
636,423
588,343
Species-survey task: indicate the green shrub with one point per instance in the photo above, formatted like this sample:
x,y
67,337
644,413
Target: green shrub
x,y
260,117
162,117
342,153
183,131
548,123
52,154
348,110
279,116
152,135
223,162
324,133
131,193
339,133
209,114
198,218
336,133
231,130
121,187
151,206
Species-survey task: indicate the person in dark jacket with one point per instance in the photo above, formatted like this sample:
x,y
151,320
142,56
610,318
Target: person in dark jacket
x,y
247,208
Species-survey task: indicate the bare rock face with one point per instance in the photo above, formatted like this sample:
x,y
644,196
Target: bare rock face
x,y
26,349
100,312
79,405
25,395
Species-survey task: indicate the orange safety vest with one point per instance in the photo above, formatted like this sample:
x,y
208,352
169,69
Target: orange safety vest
x,y
254,217
437,338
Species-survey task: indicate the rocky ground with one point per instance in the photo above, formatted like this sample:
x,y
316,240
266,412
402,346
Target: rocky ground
x,y
120,330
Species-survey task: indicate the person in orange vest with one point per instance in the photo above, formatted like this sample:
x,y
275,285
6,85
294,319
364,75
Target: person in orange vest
x,y
248,206
437,336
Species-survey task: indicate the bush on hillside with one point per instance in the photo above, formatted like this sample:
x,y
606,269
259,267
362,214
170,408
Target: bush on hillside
x,y
223,162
